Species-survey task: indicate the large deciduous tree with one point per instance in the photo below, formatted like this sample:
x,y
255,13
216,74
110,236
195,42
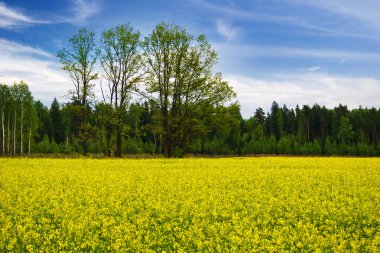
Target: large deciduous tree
x,y
121,64
79,59
180,82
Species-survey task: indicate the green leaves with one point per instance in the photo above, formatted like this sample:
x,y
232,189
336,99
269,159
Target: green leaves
x,y
78,59
180,80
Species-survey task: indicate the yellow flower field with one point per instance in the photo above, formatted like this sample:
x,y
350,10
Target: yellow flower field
x,y
266,204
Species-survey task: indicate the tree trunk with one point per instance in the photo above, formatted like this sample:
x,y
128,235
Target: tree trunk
x,y
160,148
167,134
155,142
67,137
3,133
108,139
299,132
8,137
21,127
30,134
118,141
167,146
167,142
14,135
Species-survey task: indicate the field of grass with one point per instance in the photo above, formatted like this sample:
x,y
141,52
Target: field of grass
x,y
267,204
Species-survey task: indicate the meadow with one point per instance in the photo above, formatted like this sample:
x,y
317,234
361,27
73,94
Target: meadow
x,y
267,204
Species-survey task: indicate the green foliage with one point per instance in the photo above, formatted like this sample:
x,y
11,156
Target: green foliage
x,y
311,148
149,148
78,59
180,82
345,132
183,106
44,145
284,145
54,148
330,147
216,146
122,64
362,149
134,146
56,122
195,147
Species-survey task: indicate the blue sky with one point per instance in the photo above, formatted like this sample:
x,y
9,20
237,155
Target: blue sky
x,y
291,51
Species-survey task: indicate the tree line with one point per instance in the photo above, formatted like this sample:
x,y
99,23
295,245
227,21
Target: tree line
x,y
28,126
160,95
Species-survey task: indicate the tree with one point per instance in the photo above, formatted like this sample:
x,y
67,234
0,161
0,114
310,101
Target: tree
x,y
223,128
4,108
103,113
26,115
259,116
56,122
79,59
275,121
18,118
345,132
180,81
121,63
43,122
284,145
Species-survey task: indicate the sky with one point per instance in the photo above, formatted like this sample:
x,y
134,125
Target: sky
x,y
289,51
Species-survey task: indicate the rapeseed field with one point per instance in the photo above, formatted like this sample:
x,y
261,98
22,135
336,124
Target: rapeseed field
x,y
268,204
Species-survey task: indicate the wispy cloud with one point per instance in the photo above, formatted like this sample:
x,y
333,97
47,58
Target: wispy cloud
x,y
16,49
235,11
10,18
226,30
244,51
311,69
364,10
345,15
34,66
238,12
308,88
77,13
82,10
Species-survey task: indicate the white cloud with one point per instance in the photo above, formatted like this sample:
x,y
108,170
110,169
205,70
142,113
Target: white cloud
x,y
13,48
226,30
12,18
79,11
308,88
82,10
352,18
34,66
311,69
244,51
236,11
364,10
